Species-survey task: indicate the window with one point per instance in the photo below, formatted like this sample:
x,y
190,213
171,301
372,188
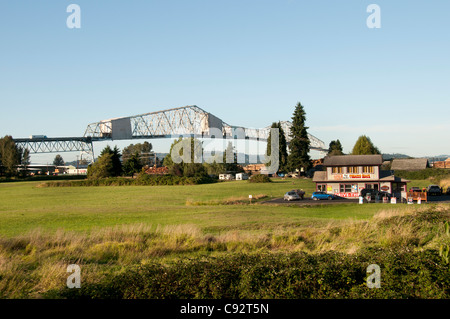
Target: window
x,y
336,170
348,188
353,169
368,169
322,187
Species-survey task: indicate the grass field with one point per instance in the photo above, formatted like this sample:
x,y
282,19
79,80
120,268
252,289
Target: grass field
x,y
109,229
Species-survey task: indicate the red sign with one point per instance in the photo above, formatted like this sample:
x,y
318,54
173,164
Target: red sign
x,y
347,194
384,188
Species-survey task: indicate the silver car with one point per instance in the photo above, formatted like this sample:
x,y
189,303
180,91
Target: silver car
x,y
291,196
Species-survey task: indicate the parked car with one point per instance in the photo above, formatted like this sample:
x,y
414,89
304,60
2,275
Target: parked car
x,y
415,189
374,194
322,195
448,191
434,190
292,195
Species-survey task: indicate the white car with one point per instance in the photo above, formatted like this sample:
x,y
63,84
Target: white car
x,y
291,196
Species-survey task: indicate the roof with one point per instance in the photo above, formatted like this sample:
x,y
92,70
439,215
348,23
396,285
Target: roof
x,y
386,176
349,160
320,176
409,164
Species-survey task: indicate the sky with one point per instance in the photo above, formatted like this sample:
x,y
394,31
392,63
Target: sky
x,y
247,62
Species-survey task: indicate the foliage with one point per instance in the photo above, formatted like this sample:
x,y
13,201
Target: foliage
x,y
58,161
364,146
107,165
428,173
102,168
282,147
299,146
329,275
259,178
132,165
144,151
335,148
10,156
142,180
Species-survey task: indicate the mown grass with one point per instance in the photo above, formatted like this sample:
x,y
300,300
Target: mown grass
x,y
138,233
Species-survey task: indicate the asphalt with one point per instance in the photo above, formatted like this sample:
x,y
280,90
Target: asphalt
x,y
308,201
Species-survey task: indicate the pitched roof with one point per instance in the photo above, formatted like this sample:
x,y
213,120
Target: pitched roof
x,y
348,160
409,164
320,176
387,176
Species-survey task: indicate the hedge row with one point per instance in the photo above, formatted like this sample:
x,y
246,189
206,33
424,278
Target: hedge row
x,y
142,180
278,276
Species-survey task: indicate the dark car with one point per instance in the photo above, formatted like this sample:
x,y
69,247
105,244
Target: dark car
x,y
434,190
374,194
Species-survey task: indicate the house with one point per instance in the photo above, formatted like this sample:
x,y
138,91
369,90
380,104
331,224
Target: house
x,y
409,164
346,175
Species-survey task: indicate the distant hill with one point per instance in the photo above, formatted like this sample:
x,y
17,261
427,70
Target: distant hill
x,y
437,158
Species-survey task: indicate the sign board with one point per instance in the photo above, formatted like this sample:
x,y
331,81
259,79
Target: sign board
x,y
352,176
350,195
394,200
384,188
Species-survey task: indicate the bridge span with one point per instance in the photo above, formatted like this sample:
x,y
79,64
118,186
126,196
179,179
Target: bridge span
x,y
182,121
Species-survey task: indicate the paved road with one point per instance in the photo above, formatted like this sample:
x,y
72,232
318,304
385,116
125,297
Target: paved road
x,y
309,201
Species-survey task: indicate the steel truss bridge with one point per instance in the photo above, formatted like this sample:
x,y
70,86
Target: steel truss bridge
x,y
171,123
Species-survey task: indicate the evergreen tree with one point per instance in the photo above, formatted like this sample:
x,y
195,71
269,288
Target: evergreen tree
x,y
115,158
58,161
364,146
335,148
299,146
282,151
132,165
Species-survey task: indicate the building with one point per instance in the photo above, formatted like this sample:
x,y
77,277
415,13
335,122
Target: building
x,y
241,176
442,164
409,164
346,175
254,168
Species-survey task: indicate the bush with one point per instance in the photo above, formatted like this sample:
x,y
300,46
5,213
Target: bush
x,y
142,180
259,178
330,275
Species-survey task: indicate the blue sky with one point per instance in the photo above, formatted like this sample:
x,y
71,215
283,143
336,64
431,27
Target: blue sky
x,y
248,62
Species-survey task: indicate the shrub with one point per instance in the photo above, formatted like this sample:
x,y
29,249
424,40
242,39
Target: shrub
x,y
404,274
259,178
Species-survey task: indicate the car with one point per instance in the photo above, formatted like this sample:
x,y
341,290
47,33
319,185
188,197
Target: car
x,y
415,189
448,191
321,195
434,190
292,195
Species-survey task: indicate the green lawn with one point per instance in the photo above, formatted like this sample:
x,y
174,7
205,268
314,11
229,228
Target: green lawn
x,y
24,207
